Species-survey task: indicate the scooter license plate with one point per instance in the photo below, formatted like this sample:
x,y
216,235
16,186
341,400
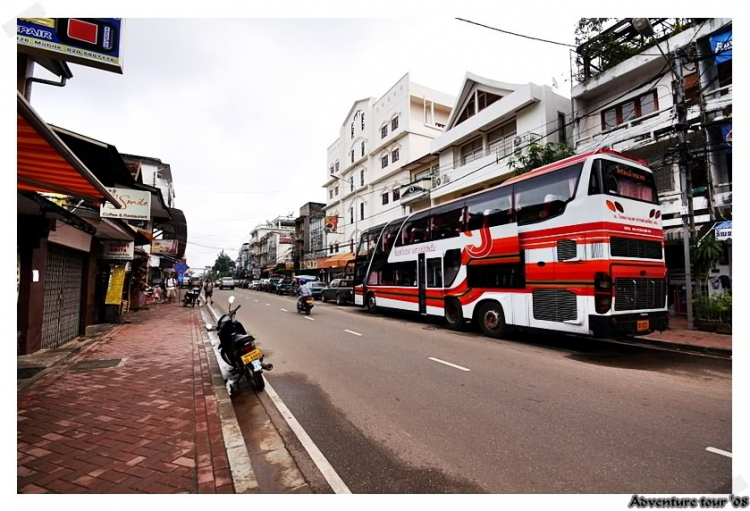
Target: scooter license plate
x,y
249,357
256,365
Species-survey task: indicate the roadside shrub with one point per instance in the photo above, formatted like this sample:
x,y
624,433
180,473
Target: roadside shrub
x,y
717,307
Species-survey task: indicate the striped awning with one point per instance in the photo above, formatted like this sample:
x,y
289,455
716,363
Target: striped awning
x,y
45,164
336,261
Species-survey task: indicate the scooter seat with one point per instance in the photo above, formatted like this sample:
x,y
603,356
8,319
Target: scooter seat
x,y
242,339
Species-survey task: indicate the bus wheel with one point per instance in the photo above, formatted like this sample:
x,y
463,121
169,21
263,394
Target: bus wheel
x,y
492,320
454,315
370,303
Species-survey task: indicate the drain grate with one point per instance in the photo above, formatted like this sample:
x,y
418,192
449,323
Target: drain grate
x,y
27,372
96,364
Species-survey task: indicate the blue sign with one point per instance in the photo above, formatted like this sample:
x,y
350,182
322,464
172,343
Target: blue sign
x,y
721,45
94,42
180,276
726,136
180,267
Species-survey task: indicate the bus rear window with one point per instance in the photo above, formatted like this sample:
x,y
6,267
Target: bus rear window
x,y
622,180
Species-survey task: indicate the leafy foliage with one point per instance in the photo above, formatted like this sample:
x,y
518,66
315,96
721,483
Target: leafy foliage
x,y
224,265
717,307
706,254
539,155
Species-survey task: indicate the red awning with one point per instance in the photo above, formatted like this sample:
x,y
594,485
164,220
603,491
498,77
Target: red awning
x,y
336,261
45,164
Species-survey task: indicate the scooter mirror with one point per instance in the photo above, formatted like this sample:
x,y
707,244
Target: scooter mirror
x,y
231,300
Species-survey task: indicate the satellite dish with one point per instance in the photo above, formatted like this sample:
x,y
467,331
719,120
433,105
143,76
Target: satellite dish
x,y
554,83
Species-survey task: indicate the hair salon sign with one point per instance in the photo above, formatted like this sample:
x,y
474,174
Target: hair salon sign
x,y
136,204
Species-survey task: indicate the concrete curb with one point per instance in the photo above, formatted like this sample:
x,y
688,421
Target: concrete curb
x,y
243,475
683,348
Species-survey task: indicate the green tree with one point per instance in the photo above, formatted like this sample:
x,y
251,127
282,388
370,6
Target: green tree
x,y
224,265
539,155
706,254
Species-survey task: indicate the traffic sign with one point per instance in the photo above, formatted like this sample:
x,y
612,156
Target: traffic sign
x,y
180,267
180,277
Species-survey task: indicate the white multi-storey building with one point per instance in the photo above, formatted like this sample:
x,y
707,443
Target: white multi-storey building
x,y
271,244
365,170
630,107
491,122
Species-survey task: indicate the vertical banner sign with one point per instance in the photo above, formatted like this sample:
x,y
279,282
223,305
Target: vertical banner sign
x,y
114,288
331,223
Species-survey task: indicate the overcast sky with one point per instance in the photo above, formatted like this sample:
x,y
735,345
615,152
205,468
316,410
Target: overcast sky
x,y
244,110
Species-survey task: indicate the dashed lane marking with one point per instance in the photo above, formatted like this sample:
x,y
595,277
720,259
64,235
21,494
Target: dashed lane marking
x,y
268,305
284,310
308,317
353,333
719,452
449,364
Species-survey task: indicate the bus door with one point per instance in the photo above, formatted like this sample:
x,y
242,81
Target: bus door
x,y
422,283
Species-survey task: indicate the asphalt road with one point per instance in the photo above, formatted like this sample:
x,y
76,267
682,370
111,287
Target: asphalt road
x,y
547,414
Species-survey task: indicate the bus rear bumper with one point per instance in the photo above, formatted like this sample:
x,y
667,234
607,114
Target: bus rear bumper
x,y
626,325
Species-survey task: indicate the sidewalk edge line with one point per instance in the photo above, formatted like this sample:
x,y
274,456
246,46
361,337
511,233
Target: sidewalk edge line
x,y
325,468
243,475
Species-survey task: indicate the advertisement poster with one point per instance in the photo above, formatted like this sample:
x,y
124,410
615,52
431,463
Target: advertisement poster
x,y
93,42
118,250
114,288
164,247
136,204
331,223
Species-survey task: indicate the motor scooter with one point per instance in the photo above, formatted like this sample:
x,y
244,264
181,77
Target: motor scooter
x,y
192,296
305,305
237,348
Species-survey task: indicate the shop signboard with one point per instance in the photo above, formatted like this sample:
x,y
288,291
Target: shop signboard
x,y
256,273
135,204
93,42
164,247
722,46
115,285
118,250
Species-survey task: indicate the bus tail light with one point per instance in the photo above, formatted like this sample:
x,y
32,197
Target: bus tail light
x,y
602,292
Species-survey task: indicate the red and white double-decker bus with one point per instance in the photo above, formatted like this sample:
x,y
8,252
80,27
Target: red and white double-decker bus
x,y
575,246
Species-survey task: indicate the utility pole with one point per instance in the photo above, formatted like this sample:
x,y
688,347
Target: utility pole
x,y
686,181
643,26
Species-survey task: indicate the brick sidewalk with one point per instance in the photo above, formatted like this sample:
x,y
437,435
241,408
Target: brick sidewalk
x,y
678,334
149,425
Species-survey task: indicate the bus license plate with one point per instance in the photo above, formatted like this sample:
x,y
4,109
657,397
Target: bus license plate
x,y
642,325
253,355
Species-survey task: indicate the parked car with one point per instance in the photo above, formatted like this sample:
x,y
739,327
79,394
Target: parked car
x,y
245,284
285,286
264,284
227,283
317,289
340,291
272,283
253,284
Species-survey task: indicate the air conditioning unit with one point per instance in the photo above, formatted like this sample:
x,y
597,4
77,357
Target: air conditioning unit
x,y
440,180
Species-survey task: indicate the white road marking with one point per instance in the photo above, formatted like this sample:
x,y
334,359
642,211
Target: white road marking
x,y
719,451
449,364
308,317
318,458
284,310
256,300
353,333
268,305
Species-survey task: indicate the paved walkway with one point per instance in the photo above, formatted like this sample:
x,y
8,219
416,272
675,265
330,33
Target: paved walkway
x,y
678,334
148,424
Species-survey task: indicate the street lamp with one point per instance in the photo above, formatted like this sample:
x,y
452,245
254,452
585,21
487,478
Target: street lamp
x,y
643,26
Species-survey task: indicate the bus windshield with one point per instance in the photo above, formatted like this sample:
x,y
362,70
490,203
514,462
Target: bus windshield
x,y
622,180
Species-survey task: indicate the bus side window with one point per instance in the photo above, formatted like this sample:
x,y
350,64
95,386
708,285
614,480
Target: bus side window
x,y
434,272
451,265
446,223
489,209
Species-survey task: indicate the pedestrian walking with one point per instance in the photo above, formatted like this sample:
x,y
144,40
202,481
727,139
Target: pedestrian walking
x,y
208,289
171,285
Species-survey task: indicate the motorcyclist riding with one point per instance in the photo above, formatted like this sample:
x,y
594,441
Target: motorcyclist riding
x,y
305,291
